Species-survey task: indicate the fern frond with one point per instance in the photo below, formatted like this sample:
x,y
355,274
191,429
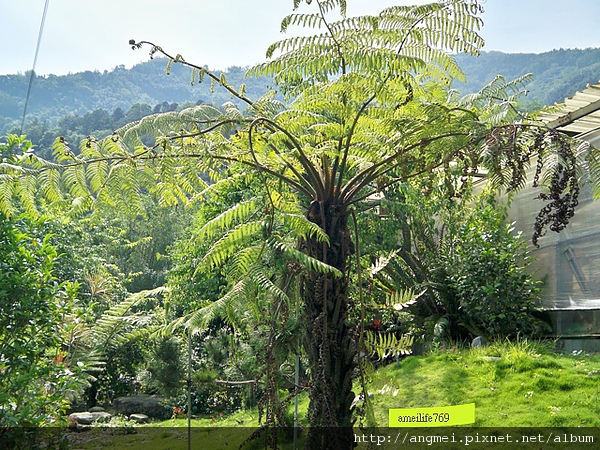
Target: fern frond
x,y
304,227
593,163
229,243
202,317
381,263
256,274
301,258
385,345
111,327
267,105
397,41
7,193
498,100
303,20
237,213
244,259
402,299
25,190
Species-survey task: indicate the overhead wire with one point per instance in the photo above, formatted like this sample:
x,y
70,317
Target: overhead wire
x,y
32,73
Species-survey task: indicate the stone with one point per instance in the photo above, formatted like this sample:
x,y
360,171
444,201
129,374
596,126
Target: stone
x,y
96,409
151,405
479,342
139,418
101,416
81,418
88,418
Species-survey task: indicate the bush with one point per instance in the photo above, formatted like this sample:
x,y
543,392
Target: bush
x,y
34,375
495,292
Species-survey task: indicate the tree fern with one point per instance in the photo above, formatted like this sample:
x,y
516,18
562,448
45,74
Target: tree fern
x,y
369,108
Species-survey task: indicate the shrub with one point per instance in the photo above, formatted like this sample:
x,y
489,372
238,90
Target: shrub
x,y
35,377
495,292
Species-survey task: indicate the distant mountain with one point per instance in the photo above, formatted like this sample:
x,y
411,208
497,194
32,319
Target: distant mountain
x,y
147,83
97,102
556,75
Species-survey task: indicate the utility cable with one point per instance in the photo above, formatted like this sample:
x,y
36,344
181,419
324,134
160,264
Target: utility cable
x,y
32,74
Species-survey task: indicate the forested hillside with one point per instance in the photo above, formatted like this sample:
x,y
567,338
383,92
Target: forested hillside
x,y
96,103
556,75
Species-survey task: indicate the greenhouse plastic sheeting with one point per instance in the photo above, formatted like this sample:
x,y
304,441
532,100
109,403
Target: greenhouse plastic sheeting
x,y
568,262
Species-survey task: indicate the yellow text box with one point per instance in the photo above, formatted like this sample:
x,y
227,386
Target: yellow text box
x,y
435,416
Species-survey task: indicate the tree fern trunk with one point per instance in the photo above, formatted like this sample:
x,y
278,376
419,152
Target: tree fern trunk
x,y
328,335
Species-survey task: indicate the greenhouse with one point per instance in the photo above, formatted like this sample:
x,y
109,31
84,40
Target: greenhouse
x,y
569,262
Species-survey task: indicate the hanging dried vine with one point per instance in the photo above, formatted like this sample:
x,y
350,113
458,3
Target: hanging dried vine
x,y
562,196
509,152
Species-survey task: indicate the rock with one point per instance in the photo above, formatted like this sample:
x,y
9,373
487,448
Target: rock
x,y
96,409
81,418
101,416
139,418
479,342
87,418
151,405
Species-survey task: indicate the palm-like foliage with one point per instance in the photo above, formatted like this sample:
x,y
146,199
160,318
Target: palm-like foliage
x,y
368,109
119,324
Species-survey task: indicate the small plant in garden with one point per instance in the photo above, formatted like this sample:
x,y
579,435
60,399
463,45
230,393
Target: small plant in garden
x,y
178,413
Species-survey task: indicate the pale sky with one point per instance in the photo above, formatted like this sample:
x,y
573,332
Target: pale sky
x,y
93,35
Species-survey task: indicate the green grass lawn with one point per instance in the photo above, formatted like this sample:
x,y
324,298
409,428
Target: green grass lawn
x,y
512,385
